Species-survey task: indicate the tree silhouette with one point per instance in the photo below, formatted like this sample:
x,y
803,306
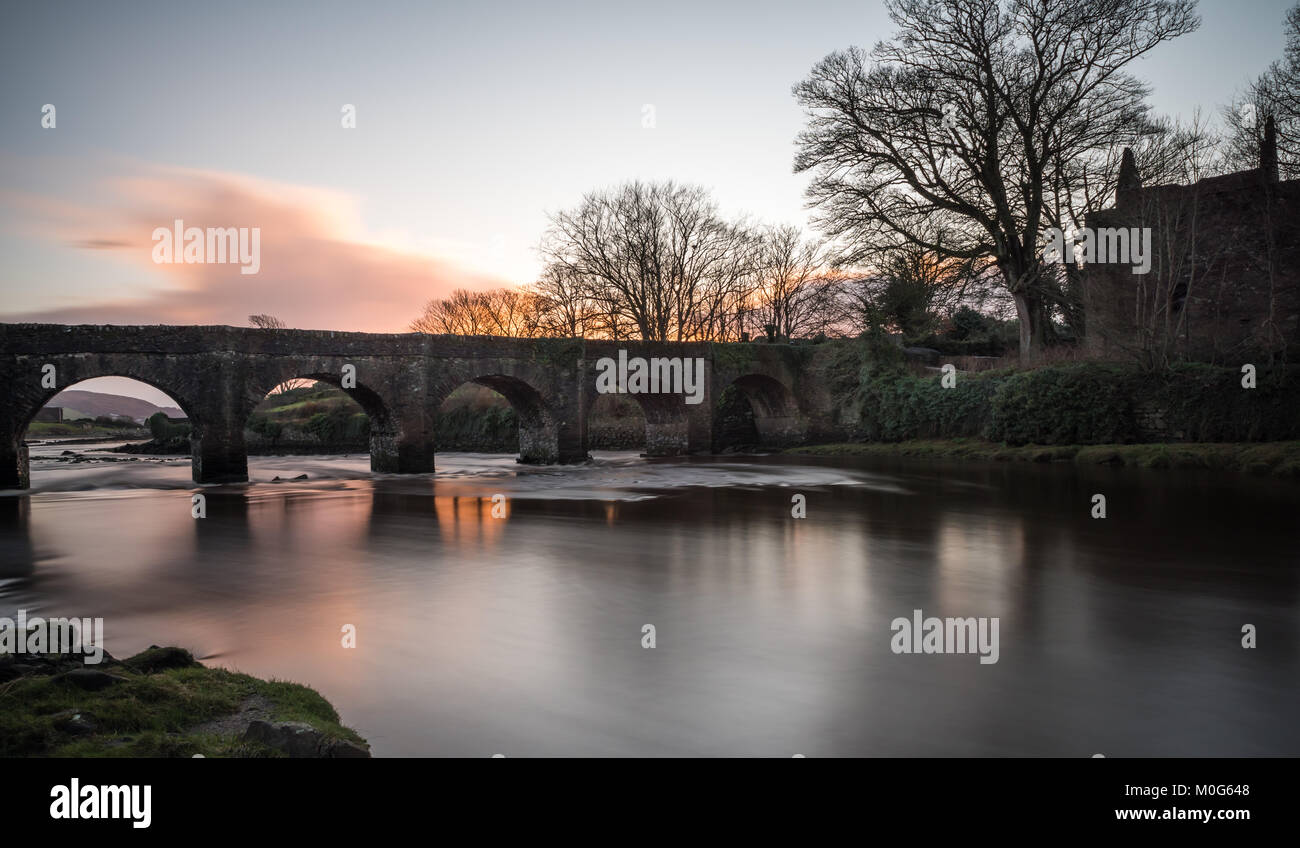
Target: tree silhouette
x,y
955,135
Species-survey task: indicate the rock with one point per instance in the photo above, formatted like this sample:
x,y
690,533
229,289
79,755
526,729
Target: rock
x,y
299,739
75,723
295,738
341,749
159,659
90,680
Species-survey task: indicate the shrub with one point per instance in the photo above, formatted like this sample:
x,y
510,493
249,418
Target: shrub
x,y
1082,404
1205,403
1068,405
162,429
898,408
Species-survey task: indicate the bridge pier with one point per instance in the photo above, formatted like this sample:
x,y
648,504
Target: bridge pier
x,y
403,442
14,465
675,428
218,452
667,432
537,442
544,442
665,439
569,431
401,455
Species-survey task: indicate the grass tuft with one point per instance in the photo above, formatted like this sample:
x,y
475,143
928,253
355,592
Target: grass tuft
x,y
153,712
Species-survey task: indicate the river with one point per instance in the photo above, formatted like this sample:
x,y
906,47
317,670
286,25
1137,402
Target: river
x,y
522,635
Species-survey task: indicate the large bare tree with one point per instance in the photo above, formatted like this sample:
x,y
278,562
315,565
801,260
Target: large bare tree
x,y
793,283
949,136
656,258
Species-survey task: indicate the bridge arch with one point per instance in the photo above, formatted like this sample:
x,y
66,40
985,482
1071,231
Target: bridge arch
x,y
761,402
385,432
46,395
539,430
28,397
665,417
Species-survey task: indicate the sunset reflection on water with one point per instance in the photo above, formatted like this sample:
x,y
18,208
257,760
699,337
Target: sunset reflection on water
x,y
521,634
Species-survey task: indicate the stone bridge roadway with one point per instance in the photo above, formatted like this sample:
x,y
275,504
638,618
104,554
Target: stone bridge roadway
x,y
217,375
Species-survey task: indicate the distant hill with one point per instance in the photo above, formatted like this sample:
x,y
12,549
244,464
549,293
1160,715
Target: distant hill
x,y
95,404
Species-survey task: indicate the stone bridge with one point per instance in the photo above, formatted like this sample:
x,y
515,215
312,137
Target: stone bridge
x,y
218,375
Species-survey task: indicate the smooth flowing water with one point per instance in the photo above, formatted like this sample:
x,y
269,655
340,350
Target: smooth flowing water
x,y
522,634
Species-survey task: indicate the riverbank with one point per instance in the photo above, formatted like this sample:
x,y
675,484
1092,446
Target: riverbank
x,y
181,447
160,703
1280,459
70,432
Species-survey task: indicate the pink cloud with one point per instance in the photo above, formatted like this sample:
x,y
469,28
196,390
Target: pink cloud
x,y
317,271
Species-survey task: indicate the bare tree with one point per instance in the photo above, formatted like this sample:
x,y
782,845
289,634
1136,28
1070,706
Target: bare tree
x,y
460,313
513,312
290,385
510,312
1274,94
564,310
656,259
956,127
266,322
790,295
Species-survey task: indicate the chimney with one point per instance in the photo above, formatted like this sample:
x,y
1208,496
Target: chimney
x,y
1130,182
1268,151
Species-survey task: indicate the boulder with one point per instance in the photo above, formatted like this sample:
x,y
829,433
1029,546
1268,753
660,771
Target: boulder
x,y
75,723
159,659
299,739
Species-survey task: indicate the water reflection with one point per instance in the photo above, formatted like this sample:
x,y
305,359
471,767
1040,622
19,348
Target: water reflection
x,y
520,632
17,556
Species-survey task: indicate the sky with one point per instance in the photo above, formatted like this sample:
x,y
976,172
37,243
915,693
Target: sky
x,y
473,122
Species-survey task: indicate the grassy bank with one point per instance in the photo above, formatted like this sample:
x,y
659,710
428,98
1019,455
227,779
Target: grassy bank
x,y
160,703
83,428
1277,458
